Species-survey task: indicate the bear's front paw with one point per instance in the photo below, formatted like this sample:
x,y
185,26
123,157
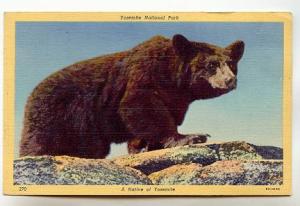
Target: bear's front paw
x,y
190,139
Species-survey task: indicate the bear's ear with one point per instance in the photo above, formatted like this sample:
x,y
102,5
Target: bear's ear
x,y
236,50
181,44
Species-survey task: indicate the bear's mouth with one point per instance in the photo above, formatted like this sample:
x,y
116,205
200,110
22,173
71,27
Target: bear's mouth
x,y
203,90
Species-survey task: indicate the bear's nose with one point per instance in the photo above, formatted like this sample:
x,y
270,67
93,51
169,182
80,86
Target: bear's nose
x,y
231,82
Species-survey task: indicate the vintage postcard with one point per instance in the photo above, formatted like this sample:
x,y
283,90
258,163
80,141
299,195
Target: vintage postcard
x,y
147,104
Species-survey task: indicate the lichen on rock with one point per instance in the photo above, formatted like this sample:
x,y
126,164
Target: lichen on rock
x,y
227,172
238,151
64,170
153,161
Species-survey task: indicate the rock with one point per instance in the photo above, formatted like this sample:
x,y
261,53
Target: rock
x,y
228,163
237,151
149,162
243,150
268,152
227,172
204,154
66,170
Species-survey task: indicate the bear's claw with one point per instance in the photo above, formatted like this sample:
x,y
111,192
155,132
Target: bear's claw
x,y
186,140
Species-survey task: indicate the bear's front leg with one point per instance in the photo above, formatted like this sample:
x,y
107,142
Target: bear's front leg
x,y
147,119
151,124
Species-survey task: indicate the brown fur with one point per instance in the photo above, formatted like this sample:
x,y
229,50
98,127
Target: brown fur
x,y
140,96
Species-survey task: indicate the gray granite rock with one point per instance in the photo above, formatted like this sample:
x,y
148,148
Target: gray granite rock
x,y
203,154
64,170
227,172
149,162
233,163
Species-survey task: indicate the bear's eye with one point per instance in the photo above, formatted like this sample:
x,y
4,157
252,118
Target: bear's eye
x,y
230,63
232,66
213,65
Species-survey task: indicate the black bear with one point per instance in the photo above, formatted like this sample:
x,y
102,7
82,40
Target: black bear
x,y
138,96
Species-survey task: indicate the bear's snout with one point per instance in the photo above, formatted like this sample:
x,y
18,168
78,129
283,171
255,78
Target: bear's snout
x,y
231,83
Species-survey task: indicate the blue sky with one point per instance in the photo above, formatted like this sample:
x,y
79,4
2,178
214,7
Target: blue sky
x,y
253,112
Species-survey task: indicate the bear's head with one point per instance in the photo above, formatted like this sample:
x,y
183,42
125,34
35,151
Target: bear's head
x,y
207,70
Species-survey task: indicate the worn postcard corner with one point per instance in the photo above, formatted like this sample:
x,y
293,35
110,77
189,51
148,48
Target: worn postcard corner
x,y
147,103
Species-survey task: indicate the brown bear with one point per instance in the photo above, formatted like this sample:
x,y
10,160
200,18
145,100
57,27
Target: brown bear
x,y
138,96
